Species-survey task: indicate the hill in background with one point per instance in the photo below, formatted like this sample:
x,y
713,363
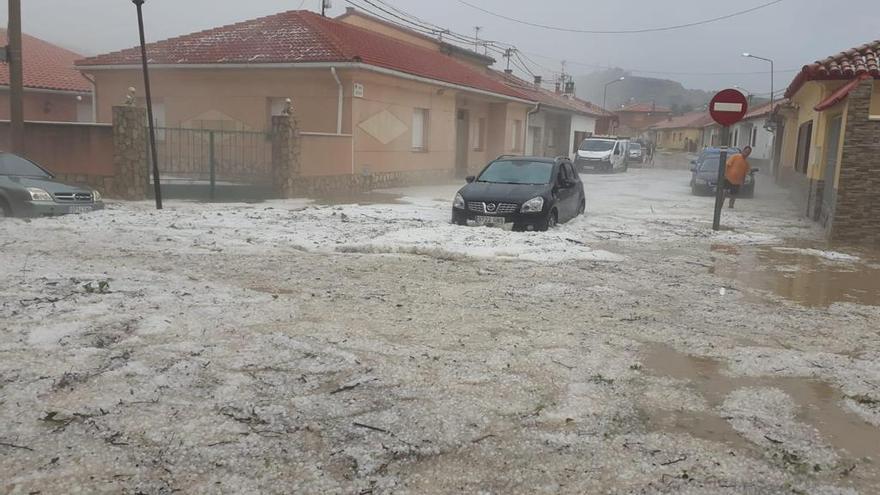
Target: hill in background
x,y
663,92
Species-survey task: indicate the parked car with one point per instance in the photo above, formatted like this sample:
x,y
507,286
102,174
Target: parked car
x,y
602,154
527,193
635,153
28,190
704,174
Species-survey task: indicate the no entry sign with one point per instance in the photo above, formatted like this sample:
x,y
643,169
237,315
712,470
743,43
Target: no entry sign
x,y
728,107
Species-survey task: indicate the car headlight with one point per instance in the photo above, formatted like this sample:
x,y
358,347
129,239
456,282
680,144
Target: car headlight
x,y
533,205
96,196
458,202
38,194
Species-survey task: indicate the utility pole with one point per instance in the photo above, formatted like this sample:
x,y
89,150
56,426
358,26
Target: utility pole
x,y
325,4
507,54
16,78
157,188
477,37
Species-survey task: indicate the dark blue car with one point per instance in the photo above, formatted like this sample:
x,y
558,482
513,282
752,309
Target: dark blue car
x,y
704,173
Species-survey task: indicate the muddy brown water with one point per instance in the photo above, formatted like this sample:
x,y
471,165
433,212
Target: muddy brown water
x,y
803,278
818,403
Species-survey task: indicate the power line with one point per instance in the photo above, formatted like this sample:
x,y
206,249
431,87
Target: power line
x,y
621,31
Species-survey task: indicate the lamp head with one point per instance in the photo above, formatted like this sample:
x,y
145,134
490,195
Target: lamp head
x,y
747,54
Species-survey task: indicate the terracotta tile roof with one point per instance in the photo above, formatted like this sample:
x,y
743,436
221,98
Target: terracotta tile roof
x,y
644,108
846,65
547,97
46,66
764,109
303,36
688,120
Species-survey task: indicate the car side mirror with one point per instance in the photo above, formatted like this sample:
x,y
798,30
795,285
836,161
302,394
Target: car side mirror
x,y
470,178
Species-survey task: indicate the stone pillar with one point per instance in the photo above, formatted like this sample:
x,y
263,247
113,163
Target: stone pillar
x,y
285,154
129,153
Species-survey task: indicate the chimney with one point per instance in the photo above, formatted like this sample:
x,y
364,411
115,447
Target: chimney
x,y
537,81
508,71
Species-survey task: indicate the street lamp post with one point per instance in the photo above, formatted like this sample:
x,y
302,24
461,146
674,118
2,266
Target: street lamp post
x,y
771,119
156,186
605,94
748,93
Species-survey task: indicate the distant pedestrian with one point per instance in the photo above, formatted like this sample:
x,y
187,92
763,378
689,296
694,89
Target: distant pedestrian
x,y
735,173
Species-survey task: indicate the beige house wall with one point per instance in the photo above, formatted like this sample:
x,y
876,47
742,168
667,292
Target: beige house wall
x,y
239,95
804,101
44,106
674,139
378,124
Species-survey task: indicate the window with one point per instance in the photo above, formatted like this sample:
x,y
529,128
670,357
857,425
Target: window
x,y
805,136
419,129
479,135
277,106
516,139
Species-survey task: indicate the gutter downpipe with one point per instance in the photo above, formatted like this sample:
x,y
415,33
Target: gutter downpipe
x,y
531,112
94,97
338,101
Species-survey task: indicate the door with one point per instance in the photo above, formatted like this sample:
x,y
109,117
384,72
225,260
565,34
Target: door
x,y
832,146
566,193
533,142
462,133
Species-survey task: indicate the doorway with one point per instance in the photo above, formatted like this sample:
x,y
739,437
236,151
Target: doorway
x,y
462,133
832,145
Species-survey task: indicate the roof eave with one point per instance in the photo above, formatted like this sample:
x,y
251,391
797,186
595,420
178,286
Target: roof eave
x,y
310,65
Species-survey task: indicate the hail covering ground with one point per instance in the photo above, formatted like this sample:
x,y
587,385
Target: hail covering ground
x,y
294,347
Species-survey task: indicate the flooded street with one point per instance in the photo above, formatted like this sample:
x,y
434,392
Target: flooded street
x,y
806,275
366,345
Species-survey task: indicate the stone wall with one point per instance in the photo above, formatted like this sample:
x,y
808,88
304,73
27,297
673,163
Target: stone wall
x,y
129,153
857,210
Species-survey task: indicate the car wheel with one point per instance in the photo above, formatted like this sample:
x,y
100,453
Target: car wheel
x,y
5,211
583,207
552,221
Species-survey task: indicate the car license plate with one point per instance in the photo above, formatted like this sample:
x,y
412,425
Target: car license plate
x,y
489,220
79,209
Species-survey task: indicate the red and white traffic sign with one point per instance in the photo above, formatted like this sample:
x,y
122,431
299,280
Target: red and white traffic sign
x,y
728,107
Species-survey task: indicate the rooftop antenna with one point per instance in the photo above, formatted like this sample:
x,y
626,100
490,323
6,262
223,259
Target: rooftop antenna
x,y
477,37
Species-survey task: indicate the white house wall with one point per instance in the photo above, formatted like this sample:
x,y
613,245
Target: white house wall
x,y
580,123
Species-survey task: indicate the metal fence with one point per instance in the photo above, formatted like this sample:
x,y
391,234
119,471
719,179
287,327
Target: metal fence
x,y
195,161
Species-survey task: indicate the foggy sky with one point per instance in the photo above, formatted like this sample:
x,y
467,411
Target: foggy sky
x,y
794,32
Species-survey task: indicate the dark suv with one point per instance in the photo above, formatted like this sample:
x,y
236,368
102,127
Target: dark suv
x,y
525,192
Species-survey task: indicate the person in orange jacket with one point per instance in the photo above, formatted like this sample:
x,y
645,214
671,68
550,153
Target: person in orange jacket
x,y
735,173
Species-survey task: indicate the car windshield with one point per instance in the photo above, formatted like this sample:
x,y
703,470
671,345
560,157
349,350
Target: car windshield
x,y
635,147
517,172
597,145
15,165
709,163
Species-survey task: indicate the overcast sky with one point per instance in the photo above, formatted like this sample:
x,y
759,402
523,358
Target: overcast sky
x,y
793,32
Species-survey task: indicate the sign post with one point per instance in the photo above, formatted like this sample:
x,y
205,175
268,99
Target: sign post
x,y
727,107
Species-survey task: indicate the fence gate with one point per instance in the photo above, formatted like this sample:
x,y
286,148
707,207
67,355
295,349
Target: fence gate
x,y
213,164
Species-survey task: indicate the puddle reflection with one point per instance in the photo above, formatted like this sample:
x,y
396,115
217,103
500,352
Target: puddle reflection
x,y
804,275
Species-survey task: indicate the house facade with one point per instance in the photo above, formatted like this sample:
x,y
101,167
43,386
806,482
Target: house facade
x,y
682,133
54,91
830,151
636,118
365,102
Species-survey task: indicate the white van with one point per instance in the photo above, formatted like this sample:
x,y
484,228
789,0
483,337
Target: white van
x,y
603,154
